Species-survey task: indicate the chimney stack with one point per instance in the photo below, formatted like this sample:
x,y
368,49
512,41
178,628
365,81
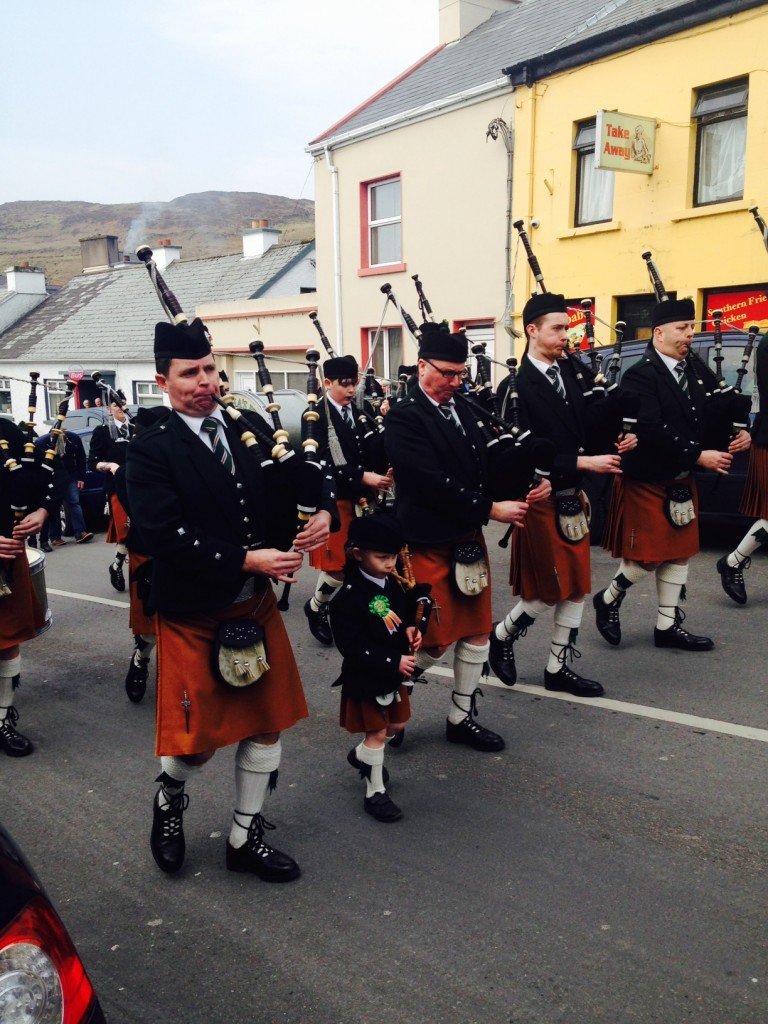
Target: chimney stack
x,y
165,253
459,17
25,280
260,238
99,253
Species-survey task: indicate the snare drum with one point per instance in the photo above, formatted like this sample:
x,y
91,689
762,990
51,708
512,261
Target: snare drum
x,y
36,560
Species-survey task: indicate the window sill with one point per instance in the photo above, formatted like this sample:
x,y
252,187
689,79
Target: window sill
x,y
592,229
386,268
732,206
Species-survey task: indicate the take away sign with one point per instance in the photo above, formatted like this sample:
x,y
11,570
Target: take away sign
x,y
624,142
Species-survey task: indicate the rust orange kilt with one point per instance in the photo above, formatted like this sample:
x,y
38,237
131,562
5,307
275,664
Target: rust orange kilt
x,y
543,566
220,714
117,531
331,557
454,616
21,614
368,716
754,500
138,620
637,527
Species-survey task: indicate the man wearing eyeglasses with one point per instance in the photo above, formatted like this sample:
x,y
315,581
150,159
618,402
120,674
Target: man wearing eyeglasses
x,y
441,471
354,450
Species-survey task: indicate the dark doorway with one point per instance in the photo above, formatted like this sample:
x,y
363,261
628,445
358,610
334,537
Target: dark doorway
x,y
636,311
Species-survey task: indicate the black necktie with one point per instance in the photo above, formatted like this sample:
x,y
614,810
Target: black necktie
x,y
346,413
447,413
211,427
682,380
557,381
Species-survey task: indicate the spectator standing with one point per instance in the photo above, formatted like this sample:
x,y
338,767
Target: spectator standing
x,y
68,481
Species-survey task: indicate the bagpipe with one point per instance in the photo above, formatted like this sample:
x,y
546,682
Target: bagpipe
x,y
516,461
114,397
293,486
730,408
591,383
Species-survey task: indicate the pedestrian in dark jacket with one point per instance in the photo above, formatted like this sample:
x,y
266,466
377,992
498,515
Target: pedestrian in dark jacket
x,y
69,470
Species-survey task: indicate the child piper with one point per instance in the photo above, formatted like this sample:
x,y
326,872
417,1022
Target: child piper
x,y
369,618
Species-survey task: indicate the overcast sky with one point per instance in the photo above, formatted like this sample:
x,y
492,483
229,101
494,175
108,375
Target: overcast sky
x,y
134,101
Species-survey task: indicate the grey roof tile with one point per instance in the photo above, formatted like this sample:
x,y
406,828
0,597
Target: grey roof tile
x,y
530,29
113,314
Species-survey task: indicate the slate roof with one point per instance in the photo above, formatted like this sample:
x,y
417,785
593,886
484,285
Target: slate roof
x,y
113,314
14,306
530,29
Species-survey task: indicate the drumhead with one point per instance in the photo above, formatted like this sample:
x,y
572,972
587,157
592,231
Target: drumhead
x,y
36,559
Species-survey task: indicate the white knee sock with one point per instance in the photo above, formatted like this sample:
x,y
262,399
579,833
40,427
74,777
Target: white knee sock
x,y
567,619
509,624
145,644
9,670
178,772
756,536
468,662
324,591
670,580
256,766
374,758
425,661
627,574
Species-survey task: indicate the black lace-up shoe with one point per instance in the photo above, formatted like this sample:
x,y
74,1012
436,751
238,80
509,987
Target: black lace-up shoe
x,y
116,576
11,742
136,680
568,681
395,742
607,618
364,769
501,658
732,578
680,639
167,838
259,858
473,735
382,808
319,626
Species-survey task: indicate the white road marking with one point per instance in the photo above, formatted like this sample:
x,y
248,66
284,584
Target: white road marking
x,y
88,597
745,732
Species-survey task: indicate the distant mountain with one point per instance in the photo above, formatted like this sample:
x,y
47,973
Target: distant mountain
x,y
204,223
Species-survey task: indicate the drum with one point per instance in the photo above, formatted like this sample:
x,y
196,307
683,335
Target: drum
x,y
36,560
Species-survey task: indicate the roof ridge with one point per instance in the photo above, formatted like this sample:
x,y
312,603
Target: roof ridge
x,y
603,12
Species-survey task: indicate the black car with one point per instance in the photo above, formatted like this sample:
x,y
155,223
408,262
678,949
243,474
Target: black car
x,y
719,495
42,978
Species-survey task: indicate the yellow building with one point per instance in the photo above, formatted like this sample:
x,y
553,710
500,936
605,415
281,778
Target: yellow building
x,y
410,183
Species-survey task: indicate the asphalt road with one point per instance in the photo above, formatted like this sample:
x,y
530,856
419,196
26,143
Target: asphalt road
x,y
607,866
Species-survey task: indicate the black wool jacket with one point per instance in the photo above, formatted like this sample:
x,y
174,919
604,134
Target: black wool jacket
x,y
760,428
197,520
441,477
362,447
106,446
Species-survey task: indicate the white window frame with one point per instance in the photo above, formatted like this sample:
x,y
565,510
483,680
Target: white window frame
x,y
5,387
384,221
726,105
388,370
55,393
587,174
154,392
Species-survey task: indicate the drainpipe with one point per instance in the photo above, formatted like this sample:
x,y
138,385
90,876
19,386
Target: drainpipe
x,y
499,127
336,248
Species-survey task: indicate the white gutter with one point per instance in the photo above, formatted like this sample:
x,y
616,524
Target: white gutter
x,y
477,94
336,249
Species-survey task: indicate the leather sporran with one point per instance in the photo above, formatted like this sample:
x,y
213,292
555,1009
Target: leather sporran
x,y
239,652
469,568
571,519
678,505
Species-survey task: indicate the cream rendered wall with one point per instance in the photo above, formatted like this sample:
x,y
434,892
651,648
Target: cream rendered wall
x,y
282,323
453,222
695,248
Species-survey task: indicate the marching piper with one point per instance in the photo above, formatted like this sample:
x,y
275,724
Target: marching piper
x,y
109,445
754,500
652,524
226,670
355,455
21,615
440,465
377,627
550,564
